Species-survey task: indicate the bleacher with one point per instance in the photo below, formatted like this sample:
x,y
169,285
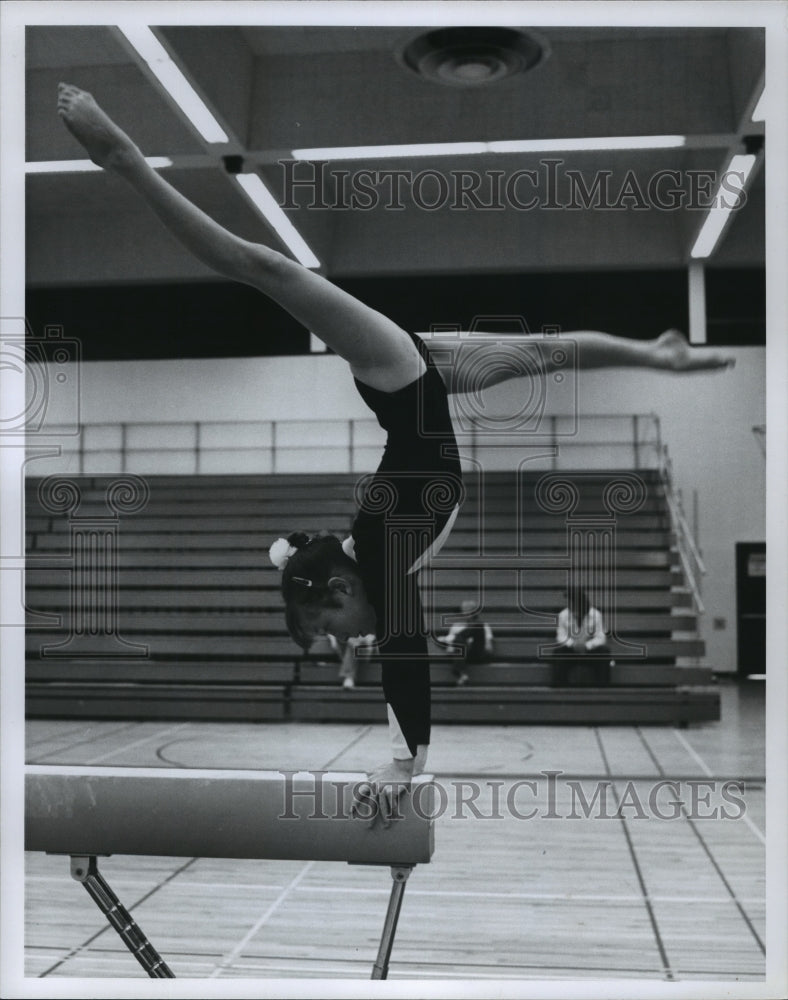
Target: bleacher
x,y
173,611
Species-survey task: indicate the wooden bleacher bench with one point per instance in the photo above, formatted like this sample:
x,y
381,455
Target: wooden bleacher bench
x,y
527,704
194,584
270,623
233,646
43,595
176,699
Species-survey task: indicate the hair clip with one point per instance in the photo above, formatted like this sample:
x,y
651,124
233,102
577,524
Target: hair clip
x,y
280,552
302,580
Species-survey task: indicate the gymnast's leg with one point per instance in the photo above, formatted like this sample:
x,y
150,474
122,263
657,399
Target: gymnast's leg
x,y
378,351
669,352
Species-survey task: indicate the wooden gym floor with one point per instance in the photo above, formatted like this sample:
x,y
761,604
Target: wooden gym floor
x,y
615,895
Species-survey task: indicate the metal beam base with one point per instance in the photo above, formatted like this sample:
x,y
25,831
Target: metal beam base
x,y
84,869
399,874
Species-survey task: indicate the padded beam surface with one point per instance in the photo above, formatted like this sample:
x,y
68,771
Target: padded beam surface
x,y
301,816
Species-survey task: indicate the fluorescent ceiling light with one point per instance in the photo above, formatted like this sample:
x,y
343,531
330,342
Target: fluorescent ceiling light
x,y
383,152
718,216
582,145
759,111
82,166
191,104
503,146
174,82
266,205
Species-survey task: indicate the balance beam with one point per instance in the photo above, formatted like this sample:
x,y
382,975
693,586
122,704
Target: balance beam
x,y
86,812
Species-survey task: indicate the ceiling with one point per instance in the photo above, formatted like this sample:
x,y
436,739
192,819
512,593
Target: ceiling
x,y
276,89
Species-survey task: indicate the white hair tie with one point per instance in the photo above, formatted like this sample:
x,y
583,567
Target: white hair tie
x,y
280,552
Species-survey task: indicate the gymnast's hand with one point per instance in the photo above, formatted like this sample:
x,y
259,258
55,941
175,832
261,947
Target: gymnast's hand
x,y
379,797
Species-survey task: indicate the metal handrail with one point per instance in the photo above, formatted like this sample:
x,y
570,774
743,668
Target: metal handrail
x,y
693,582
759,431
685,542
689,538
644,447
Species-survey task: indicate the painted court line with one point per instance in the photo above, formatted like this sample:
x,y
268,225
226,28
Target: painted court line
x,y
54,732
552,896
449,893
576,776
68,747
231,956
708,772
707,850
666,966
349,968
736,901
181,773
693,753
138,743
353,741
432,970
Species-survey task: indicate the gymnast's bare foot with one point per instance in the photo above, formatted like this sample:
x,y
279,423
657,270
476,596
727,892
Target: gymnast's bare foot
x,y
671,351
106,144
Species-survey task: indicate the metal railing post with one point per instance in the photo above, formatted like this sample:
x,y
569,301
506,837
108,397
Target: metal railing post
x,y
696,518
629,442
474,438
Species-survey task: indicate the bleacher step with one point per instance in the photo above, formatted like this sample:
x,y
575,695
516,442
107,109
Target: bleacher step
x,y
194,584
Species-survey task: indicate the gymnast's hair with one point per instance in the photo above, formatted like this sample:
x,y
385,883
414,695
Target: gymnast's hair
x,y
308,563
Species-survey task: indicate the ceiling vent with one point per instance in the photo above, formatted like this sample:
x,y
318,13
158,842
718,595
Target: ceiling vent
x,y
472,57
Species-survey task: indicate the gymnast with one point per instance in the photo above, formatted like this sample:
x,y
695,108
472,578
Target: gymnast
x,y
368,583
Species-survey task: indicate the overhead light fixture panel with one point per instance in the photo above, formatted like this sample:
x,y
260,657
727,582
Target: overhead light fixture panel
x,y
475,56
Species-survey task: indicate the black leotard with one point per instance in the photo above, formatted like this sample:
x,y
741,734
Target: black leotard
x,y
404,515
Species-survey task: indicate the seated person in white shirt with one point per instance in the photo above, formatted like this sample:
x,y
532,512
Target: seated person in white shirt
x,y
581,654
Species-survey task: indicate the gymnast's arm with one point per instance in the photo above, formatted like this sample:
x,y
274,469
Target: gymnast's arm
x,y
406,688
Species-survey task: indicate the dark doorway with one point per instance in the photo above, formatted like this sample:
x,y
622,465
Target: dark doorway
x,y
751,607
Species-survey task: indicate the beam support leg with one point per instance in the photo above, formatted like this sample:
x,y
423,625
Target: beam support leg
x,y
84,869
399,874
